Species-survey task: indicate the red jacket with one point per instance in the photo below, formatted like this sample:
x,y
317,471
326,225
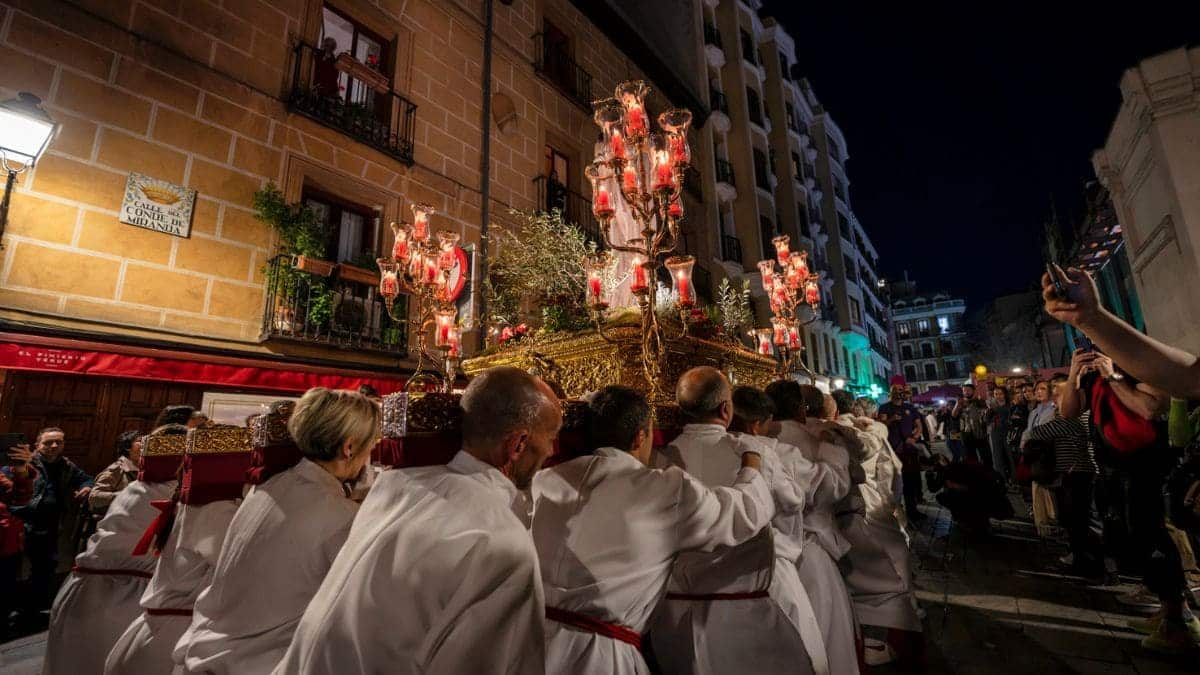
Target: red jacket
x,y
14,490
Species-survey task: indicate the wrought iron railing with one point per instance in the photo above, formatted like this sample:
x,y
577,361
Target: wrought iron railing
x,y
576,209
725,172
554,62
336,309
353,98
712,36
731,249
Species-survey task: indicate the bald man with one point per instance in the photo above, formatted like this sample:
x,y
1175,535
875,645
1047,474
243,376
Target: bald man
x,y
439,574
739,609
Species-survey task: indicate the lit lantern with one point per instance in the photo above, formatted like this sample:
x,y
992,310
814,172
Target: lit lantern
x,y
779,332
793,277
616,145
453,341
416,266
676,122
400,247
675,209
793,336
680,267
599,175
782,249
638,284
443,323
664,173
448,242
421,214
632,96
389,281
431,270
812,295
595,266
609,116
799,262
766,268
763,338
629,179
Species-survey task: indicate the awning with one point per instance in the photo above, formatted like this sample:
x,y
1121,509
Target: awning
x,y
70,357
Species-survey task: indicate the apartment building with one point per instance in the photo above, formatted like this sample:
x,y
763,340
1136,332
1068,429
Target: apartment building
x,y
356,108
930,338
775,175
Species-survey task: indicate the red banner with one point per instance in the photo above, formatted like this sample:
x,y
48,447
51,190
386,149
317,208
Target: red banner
x,y
18,356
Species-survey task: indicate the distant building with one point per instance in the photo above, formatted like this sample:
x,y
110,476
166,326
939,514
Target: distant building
x,y
930,337
1150,163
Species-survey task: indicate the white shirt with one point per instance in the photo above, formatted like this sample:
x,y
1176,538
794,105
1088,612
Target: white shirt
x,y
185,566
820,515
127,518
437,576
881,468
280,545
607,530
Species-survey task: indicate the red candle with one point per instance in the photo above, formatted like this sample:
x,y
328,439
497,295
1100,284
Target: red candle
x,y
452,339
602,203
675,210
639,276
679,150
684,287
617,145
594,288
400,248
420,226
663,176
431,270
793,338
764,343
446,259
630,178
635,120
416,266
782,251
779,294
389,287
811,295
793,278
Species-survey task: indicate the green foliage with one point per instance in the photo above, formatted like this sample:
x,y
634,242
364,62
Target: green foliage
x,y
300,231
733,307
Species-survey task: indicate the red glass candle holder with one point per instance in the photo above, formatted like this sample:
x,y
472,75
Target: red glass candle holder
x,y
680,267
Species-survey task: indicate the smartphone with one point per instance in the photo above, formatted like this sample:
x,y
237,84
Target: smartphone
x,y
9,440
1085,343
1060,291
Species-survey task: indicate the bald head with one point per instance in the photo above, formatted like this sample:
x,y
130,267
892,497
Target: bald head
x,y
704,396
501,401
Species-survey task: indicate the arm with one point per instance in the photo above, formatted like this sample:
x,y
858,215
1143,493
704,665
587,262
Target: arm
x,y
721,516
106,488
1173,370
1055,428
1144,400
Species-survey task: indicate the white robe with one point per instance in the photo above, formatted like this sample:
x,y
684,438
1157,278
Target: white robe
x,y
824,546
91,611
773,634
280,545
876,569
183,570
438,575
607,530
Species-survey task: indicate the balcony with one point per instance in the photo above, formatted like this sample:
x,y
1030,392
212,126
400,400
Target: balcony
x,y
556,65
731,249
353,98
337,306
712,36
576,209
718,101
725,172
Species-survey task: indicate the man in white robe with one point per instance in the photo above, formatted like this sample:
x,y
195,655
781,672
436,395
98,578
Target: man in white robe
x,y
101,596
439,574
607,529
799,409
739,609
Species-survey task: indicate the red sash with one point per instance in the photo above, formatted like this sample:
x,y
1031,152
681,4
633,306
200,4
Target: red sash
x,y
116,573
708,597
165,517
586,623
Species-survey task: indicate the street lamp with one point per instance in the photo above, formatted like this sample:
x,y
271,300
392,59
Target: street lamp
x,y
839,383
1018,370
25,131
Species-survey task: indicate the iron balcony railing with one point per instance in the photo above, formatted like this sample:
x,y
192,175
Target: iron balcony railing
x,y
330,309
576,209
712,36
555,64
725,172
719,102
731,249
354,98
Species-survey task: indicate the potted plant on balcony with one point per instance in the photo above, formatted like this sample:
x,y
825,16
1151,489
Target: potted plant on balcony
x,y
367,73
301,236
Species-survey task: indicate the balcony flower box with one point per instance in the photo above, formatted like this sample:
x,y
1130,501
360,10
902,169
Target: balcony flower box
x,y
315,266
363,73
358,275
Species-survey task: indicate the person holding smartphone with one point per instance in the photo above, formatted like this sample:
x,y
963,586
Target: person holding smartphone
x,y
16,487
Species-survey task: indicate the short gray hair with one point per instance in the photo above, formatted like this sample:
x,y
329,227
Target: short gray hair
x,y
324,419
865,407
701,391
499,401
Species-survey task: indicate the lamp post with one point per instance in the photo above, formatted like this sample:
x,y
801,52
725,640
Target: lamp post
x,y
25,131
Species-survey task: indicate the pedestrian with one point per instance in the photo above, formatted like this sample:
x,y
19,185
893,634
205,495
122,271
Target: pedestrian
x,y
951,429
899,414
16,488
296,520
439,573
1018,420
970,411
116,476
610,498
58,482
101,596
997,420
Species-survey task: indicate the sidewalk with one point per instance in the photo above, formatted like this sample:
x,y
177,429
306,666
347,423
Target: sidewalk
x,y
991,607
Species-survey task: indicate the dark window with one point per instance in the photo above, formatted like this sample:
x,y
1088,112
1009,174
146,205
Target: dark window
x,y
930,371
760,170
767,229
557,168
748,50
790,113
349,227
772,163
844,227
952,369
803,216
835,150
926,350
906,352
783,67
855,312
814,348
796,170
910,373
755,105
947,347
851,269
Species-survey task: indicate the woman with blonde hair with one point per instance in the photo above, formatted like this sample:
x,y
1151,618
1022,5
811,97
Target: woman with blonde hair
x,y
285,535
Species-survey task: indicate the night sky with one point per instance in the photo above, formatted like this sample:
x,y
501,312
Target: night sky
x,y
961,127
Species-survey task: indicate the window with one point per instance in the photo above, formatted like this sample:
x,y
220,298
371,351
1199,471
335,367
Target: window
x,y
902,329
910,373
748,50
943,324
835,150
755,105
844,227
851,269
349,227
557,168
768,233
952,369
783,67
930,371
926,350
790,114
803,218
906,352
923,327
855,312
815,350
947,346
761,172
797,172
365,46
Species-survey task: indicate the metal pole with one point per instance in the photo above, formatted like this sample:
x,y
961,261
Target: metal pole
x,y
8,188
485,155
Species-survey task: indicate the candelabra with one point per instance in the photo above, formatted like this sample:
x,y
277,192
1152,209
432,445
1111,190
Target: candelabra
x,y
644,169
420,267
790,288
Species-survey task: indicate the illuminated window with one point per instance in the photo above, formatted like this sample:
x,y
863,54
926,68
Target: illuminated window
x,y
943,324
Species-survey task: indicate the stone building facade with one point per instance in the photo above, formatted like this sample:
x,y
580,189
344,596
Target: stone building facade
x,y
226,98
1150,164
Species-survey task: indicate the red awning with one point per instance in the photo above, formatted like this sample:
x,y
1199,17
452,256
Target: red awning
x,y
53,355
